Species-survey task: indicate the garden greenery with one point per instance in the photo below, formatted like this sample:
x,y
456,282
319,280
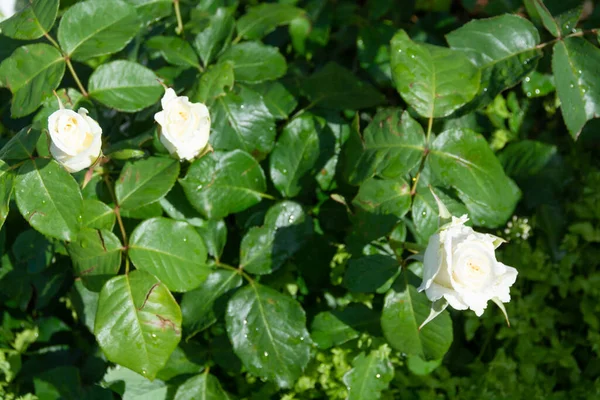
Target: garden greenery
x,y
218,199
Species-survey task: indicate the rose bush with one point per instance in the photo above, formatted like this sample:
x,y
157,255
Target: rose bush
x,y
219,199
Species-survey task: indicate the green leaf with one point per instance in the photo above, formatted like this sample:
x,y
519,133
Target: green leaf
x,y
262,19
278,99
203,386
370,375
504,49
96,256
138,323
333,328
188,358
202,306
243,121
255,62
425,213
145,181
392,145
151,10
265,249
31,73
384,196
134,386
97,215
223,183
403,312
335,87
124,85
216,37
94,28
463,159
214,234
21,146
174,50
213,83
538,85
144,212
7,182
559,17
268,333
434,80
170,250
49,199
574,65
370,273
526,158
32,22
294,156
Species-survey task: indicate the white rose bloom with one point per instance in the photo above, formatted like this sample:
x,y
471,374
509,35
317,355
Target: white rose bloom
x,y
185,125
76,139
460,266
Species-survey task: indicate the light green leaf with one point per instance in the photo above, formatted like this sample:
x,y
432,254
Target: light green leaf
x,y
295,154
434,80
31,73
203,386
145,181
286,229
370,375
335,87
202,306
224,183
97,215
392,145
575,67
32,22
49,199
149,11
262,19
268,332
538,85
134,386
96,256
138,322
213,83
333,328
213,40
175,50
242,121
124,85
94,28
504,49
255,62
170,250
7,182
403,311
463,159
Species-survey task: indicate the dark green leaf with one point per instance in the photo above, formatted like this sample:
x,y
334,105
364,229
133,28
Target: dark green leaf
x,y
333,328
392,145
214,234
7,182
264,18
559,17
138,323
94,28
216,37
526,158
370,273
49,199
277,98
335,87
575,64
265,249
170,250
188,358
384,196
434,80
96,256
222,183
32,22
201,307
175,50
97,215
21,146
213,83
145,181
463,159
31,73
255,62
370,375
203,386
295,154
268,333
124,85
403,312
243,122
503,47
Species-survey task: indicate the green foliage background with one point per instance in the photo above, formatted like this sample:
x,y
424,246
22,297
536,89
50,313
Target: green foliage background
x,y
276,267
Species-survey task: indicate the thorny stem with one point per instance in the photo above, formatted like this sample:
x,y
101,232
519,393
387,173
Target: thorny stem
x,y
574,34
179,29
119,221
77,81
239,270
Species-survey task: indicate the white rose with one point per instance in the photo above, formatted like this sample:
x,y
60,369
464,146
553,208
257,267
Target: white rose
x,y
460,266
76,139
185,125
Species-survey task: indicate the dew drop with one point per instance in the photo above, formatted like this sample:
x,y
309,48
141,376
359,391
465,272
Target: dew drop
x,y
185,239
572,86
242,106
378,376
579,72
266,354
154,335
412,56
423,213
291,219
528,94
485,89
43,201
399,50
527,79
302,338
144,372
245,322
537,91
246,335
199,187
